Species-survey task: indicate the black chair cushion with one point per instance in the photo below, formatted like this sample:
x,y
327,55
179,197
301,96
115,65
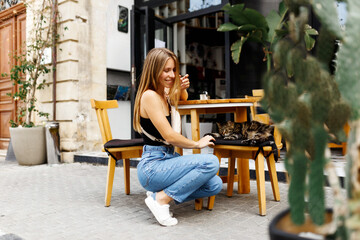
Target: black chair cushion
x,y
242,142
116,143
245,142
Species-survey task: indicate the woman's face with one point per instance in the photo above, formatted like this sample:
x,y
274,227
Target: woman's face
x,y
167,77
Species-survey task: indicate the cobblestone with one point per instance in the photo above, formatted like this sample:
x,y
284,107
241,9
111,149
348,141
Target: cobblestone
x,y
66,201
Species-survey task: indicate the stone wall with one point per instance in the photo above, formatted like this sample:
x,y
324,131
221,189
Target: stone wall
x,y
80,75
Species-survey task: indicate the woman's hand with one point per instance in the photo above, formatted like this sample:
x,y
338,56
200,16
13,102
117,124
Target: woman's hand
x,y
206,141
184,82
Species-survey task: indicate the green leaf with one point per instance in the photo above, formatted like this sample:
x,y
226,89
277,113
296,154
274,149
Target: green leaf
x,y
226,27
247,28
242,16
311,31
273,19
282,9
256,18
236,48
256,36
309,42
237,7
281,33
235,13
13,123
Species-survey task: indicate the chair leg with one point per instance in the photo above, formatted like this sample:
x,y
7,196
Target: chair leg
x,y
198,204
243,175
110,180
287,177
218,155
260,180
273,177
211,201
230,177
344,148
126,165
179,150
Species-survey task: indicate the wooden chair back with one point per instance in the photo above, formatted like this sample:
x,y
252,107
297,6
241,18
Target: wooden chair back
x,y
342,145
260,117
101,108
258,92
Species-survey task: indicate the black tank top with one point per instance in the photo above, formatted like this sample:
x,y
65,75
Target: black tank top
x,y
149,127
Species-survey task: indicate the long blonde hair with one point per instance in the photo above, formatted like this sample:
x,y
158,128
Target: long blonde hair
x,y
153,67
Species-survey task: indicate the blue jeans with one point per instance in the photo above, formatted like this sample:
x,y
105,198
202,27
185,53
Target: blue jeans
x,y
182,178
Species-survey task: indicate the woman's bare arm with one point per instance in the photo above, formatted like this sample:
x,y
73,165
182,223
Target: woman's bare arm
x,y
152,107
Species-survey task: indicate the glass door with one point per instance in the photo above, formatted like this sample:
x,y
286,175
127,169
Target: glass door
x,y
163,34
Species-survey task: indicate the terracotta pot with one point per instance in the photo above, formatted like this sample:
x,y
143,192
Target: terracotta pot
x,y
29,145
282,228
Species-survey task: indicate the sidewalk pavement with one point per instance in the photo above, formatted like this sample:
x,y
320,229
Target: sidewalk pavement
x,y
66,201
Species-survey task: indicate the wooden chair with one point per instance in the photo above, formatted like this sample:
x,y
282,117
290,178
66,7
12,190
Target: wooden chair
x,y
116,148
264,118
260,117
245,153
342,145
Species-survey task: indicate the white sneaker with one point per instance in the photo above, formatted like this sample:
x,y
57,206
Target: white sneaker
x,y
160,212
149,194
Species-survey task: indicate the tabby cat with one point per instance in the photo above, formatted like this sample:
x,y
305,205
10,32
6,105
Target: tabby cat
x,y
251,133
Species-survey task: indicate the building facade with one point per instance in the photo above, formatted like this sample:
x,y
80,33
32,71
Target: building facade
x,y
99,44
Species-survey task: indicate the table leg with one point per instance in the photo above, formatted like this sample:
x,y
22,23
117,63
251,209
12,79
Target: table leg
x,y
195,128
240,115
195,132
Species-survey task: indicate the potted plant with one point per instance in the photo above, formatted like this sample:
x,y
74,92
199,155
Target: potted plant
x,y
310,98
310,102
27,73
251,26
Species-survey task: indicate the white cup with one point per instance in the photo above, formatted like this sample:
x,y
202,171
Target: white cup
x,y
203,97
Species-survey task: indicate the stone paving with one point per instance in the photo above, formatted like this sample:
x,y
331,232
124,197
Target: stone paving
x,y
66,201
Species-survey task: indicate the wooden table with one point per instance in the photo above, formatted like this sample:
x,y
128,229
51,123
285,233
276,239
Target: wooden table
x,y
238,106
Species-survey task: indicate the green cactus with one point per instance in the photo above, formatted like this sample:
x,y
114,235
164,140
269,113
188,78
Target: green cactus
x,y
308,101
311,106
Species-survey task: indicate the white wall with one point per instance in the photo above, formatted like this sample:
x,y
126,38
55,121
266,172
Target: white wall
x,y
118,43
120,120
